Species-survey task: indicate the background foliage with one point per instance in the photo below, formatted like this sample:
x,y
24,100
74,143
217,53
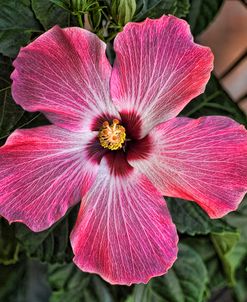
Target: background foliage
x,y
37,267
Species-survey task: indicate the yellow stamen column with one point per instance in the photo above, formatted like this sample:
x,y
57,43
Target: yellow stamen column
x,y
112,136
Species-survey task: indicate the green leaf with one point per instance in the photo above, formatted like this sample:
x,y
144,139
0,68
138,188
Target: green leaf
x,y
240,288
24,282
12,40
5,71
17,23
123,10
202,12
238,220
10,113
9,247
225,244
101,290
52,245
152,8
65,4
238,255
214,101
49,245
157,8
181,8
13,116
68,284
205,248
10,281
221,254
35,286
185,282
188,273
130,299
144,293
50,14
191,219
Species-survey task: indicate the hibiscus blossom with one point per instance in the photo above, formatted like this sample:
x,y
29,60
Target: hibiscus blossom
x,y
117,145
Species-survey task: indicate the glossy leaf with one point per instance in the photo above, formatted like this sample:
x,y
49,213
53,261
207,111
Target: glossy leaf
x,y
185,282
181,8
204,247
238,220
202,13
157,8
51,245
189,273
225,244
144,293
24,282
9,247
192,220
5,71
214,101
68,284
240,288
152,8
13,116
10,113
10,281
221,254
17,23
65,4
50,14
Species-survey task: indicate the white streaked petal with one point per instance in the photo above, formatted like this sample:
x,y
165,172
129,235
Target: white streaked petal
x,y
124,231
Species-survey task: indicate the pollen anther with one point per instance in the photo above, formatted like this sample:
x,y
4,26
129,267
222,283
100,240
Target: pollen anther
x,y
112,136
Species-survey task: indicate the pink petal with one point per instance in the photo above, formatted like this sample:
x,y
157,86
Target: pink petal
x,y
124,231
204,160
43,172
65,74
157,71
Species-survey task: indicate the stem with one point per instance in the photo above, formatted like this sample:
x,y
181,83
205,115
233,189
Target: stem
x,y
203,103
212,96
5,88
30,121
218,106
2,79
79,18
199,106
105,15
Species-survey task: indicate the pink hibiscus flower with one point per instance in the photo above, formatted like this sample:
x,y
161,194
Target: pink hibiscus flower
x,y
116,143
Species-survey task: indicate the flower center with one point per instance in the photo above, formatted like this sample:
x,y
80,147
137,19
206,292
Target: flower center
x,y
112,136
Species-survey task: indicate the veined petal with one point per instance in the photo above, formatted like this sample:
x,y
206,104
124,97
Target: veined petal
x,y
123,231
43,172
157,71
204,160
65,74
